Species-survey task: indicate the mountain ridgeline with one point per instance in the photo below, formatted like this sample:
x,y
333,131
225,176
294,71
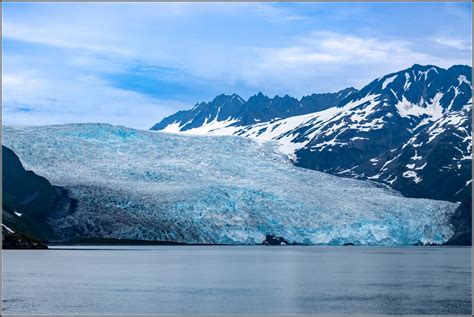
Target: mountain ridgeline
x,y
258,108
410,130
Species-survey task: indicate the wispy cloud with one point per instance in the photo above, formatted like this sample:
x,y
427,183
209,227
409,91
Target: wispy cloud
x,y
453,42
83,99
61,39
277,13
329,61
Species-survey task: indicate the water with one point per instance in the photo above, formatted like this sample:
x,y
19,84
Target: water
x,y
246,280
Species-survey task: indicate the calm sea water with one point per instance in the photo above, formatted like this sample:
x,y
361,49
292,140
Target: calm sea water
x,y
247,280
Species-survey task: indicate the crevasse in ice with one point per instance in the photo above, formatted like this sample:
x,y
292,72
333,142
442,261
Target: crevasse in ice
x,y
213,189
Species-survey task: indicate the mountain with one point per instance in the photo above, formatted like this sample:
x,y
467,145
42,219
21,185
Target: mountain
x,y
414,134
145,185
462,223
28,201
15,240
232,110
410,130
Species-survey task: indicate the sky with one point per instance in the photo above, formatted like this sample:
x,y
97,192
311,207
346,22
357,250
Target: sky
x,y
134,63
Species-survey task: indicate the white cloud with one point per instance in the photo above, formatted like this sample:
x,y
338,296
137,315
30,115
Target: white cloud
x,y
82,99
60,38
324,60
19,80
276,14
452,42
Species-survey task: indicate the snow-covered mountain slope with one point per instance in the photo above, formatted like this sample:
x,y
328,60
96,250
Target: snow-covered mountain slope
x,y
423,102
293,133
368,128
435,162
387,112
206,189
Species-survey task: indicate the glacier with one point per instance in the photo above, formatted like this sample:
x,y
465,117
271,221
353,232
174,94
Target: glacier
x,y
149,185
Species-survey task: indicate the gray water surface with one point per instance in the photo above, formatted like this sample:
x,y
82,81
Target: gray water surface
x,y
238,280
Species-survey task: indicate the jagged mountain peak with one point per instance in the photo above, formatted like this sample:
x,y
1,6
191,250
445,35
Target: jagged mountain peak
x,y
286,96
232,110
226,98
258,97
420,75
418,92
416,89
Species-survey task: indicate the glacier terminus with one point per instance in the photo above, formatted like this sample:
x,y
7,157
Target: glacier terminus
x,y
135,184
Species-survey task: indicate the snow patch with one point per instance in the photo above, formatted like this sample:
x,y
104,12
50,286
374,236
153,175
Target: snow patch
x,y
8,229
388,81
413,175
433,110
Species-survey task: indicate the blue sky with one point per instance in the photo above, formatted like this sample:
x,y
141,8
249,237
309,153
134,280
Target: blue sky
x,y
134,63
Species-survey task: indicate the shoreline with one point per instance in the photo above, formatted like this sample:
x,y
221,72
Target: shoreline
x,y
89,246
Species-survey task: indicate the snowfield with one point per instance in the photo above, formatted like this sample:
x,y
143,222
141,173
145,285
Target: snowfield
x,y
213,189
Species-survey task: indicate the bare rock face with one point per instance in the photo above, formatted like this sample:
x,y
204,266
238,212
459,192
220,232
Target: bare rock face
x,y
29,201
12,240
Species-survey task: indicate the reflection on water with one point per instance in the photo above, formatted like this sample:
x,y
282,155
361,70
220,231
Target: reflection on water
x,y
246,280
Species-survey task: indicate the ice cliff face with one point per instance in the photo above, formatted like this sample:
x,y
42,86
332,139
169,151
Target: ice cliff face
x,y
213,189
